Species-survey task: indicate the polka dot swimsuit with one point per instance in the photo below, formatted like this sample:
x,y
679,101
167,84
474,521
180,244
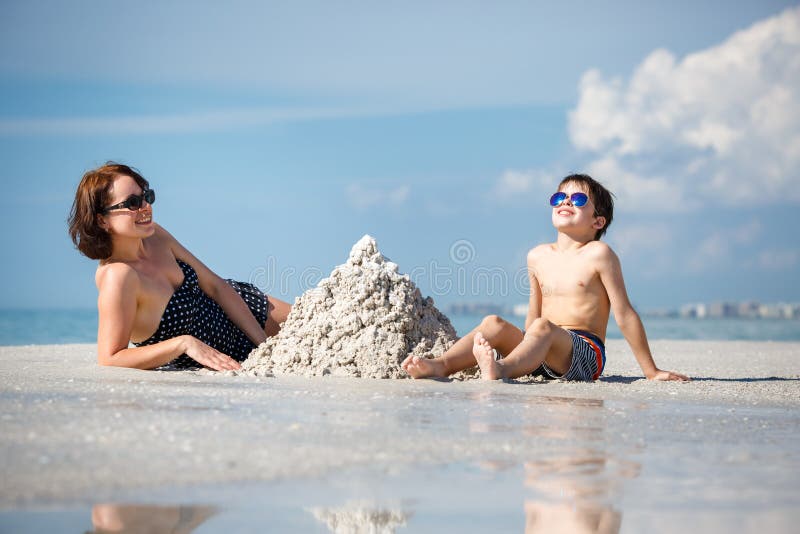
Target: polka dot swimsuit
x,y
190,311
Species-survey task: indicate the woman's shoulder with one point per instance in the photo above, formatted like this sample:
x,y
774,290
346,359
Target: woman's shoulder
x,y
115,274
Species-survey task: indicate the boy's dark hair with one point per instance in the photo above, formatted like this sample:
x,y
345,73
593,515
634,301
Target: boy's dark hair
x,y
602,198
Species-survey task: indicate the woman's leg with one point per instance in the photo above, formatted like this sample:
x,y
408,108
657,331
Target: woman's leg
x,y
504,335
277,311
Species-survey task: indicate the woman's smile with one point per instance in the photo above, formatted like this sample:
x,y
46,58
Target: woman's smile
x,y
145,218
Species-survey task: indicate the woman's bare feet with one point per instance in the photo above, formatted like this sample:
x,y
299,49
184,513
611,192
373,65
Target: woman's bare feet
x,y
423,367
484,353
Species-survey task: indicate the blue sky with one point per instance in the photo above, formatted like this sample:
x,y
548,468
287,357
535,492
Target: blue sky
x,y
277,134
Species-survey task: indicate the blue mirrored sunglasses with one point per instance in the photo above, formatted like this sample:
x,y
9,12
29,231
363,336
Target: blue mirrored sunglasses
x,y
577,199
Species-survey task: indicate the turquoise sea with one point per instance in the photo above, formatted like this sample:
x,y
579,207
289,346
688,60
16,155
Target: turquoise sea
x,y
679,328
44,327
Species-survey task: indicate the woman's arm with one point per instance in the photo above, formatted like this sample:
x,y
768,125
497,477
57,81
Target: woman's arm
x,y
118,286
219,290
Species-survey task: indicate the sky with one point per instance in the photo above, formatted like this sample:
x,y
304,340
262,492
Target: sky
x,y
276,134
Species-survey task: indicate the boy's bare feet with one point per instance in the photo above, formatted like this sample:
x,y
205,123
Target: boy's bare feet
x,y
484,353
423,367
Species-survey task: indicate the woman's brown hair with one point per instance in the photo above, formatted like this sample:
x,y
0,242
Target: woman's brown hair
x,y
92,196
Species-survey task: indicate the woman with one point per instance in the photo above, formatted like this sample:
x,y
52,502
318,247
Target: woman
x,y
155,293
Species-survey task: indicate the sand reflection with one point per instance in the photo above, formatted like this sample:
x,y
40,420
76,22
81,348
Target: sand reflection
x,y
574,485
362,517
574,492
136,518
572,476
571,519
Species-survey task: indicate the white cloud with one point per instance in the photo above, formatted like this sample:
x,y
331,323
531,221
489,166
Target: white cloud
x,y
720,126
748,232
725,249
650,247
647,246
514,183
362,197
179,123
641,239
779,259
634,192
709,254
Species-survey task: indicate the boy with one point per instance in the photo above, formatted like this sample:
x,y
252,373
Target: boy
x,y
575,283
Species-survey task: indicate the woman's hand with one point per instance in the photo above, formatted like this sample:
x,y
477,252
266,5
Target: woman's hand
x,y
208,356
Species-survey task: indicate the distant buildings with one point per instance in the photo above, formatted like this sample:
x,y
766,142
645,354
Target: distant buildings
x,y
486,308
714,310
732,310
741,310
476,308
520,310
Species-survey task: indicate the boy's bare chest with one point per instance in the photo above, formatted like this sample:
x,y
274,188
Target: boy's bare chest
x,y
564,278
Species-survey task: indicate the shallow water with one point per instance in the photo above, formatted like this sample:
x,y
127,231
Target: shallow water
x,y
589,465
732,329
176,451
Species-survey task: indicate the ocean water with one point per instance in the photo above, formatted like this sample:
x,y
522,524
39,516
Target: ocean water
x,y
679,328
45,327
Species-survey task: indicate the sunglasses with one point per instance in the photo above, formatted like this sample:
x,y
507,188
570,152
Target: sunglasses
x,y
134,202
578,199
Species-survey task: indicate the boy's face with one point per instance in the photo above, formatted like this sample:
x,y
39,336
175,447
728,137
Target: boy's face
x,y
568,216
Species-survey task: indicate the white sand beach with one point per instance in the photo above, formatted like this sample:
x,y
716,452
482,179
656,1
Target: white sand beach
x,y
719,452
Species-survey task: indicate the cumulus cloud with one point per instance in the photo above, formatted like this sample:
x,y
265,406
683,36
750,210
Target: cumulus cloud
x,y
748,232
724,248
203,121
642,238
362,197
779,259
721,125
513,183
646,247
709,254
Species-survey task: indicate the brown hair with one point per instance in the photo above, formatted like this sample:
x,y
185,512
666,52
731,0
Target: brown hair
x,y
602,198
92,196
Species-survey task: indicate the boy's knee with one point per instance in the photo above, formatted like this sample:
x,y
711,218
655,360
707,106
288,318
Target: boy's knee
x,y
540,327
491,324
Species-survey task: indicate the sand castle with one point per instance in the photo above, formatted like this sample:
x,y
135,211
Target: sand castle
x,y
361,321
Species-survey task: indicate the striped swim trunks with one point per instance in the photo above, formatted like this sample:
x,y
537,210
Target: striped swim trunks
x,y
588,358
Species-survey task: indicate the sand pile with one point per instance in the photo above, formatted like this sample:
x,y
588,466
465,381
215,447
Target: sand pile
x,y
362,321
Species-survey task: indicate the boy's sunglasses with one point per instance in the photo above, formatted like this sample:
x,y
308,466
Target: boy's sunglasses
x,y
578,199
134,202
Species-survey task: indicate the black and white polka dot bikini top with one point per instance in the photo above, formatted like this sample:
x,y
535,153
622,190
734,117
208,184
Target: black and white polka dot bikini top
x,y
191,312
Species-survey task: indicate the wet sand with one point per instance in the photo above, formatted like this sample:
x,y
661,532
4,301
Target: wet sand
x,y
717,453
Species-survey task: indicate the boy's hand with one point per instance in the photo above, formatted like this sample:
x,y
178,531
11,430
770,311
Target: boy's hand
x,y
668,375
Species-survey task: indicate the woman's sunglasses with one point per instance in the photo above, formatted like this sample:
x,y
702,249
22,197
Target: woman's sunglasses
x,y
134,202
578,199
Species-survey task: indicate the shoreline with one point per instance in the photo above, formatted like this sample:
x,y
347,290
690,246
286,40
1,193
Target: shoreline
x,y
755,371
